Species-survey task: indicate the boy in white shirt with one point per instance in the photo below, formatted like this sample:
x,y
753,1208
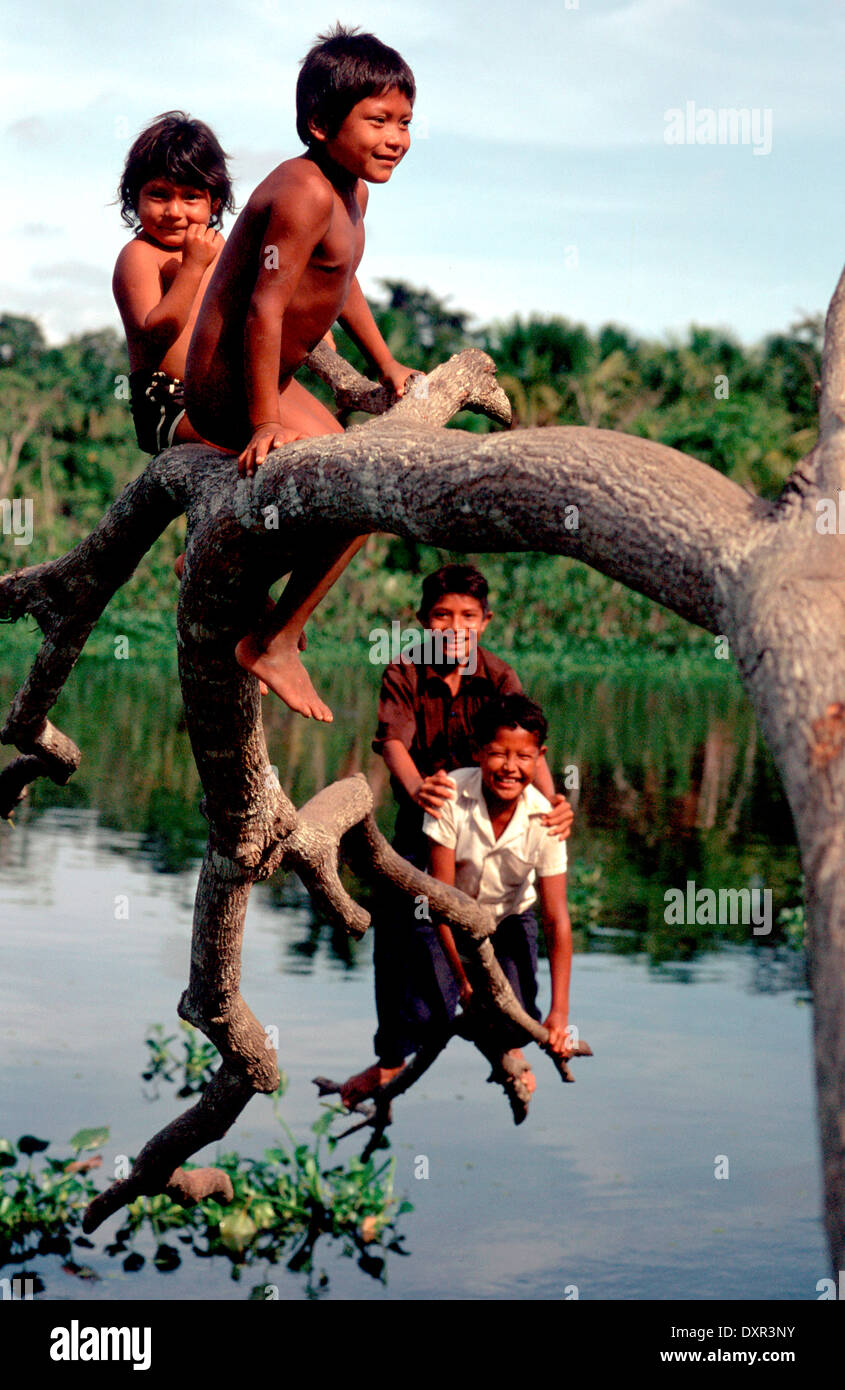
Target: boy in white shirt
x,y
490,841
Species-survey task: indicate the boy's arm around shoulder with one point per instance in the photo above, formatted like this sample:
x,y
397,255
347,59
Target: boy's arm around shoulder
x,y
297,218
559,819
427,792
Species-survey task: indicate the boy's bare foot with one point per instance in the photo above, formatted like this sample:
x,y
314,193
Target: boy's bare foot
x,y
364,1083
281,669
527,1078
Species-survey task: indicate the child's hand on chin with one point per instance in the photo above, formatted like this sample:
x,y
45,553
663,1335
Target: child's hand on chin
x,y
202,246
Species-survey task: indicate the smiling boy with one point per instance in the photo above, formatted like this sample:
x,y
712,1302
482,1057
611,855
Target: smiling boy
x,y
174,188
490,838
491,843
426,719
285,276
426,713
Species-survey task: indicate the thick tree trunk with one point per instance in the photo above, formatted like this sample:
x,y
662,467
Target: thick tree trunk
x,y
667,525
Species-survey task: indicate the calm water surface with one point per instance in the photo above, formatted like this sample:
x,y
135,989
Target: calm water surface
x,y
702,1037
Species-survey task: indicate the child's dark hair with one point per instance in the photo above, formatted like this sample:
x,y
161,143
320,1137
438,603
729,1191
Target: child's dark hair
x,y
340,70
184,151
453,579
509,712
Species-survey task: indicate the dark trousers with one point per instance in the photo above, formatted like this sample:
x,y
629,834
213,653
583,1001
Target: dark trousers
x,y
416,990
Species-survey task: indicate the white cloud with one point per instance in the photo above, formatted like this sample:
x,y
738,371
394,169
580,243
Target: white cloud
x,y
538,126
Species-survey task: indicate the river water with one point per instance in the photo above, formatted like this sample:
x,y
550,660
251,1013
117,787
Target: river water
x,y
683,1164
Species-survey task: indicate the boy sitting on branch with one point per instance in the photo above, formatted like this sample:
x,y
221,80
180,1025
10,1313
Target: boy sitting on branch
x,y
286,274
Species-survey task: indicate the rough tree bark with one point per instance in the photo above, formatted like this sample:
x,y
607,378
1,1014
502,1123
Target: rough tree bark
x,y
665,524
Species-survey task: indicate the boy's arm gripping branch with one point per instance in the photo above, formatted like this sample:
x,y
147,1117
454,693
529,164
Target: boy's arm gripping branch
x,y
558,932
357,320
297,223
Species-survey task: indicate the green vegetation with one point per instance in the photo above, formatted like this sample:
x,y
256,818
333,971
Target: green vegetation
x,y
66,442
196,1063
288,1197
283,1203
38,1205
792,921
673,783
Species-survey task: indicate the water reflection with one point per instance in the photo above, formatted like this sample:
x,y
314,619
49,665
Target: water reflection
x,y
604,1185
670,779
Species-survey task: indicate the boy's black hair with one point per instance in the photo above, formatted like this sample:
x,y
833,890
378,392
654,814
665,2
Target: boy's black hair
x,y
509,712
340,70
184,151
453,579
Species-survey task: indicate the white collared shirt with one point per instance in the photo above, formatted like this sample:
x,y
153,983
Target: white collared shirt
x,y
499,874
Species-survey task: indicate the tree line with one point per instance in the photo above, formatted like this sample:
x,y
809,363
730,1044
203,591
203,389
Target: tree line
x,y
67,443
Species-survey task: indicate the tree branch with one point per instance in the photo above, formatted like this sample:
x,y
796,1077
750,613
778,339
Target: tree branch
x,y
654,519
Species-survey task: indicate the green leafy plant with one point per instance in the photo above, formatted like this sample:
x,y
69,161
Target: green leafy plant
x,y
289,1197
197,1063
793,923
283,1202
586,898
41,1205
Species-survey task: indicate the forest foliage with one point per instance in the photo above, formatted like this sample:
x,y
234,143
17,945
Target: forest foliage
x,y
67,444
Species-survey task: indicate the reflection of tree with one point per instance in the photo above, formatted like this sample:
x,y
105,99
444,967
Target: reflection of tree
x,y
780,970
677,789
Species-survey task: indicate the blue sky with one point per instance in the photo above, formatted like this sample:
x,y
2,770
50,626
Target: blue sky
x,y
539,179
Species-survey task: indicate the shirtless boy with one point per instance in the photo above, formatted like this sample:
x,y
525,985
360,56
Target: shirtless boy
x,y
285,276
175,186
